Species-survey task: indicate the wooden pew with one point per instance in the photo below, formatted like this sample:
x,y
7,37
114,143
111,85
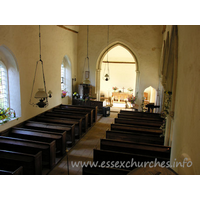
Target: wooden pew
x,y
74,111
11,170
62,121
94,108
138,122
103,171
128,116
141,114
74,117
107,157
65,131
136,129
32,163
134,137
38,136
135,148
27,146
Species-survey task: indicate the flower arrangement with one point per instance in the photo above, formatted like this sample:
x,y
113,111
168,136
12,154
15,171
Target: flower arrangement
x,y
75,95
132,99
166,109
63,94
167,104
6,115
114,88
130,89
163,128
87,97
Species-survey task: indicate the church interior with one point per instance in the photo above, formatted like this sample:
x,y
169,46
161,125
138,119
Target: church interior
x,y
104,66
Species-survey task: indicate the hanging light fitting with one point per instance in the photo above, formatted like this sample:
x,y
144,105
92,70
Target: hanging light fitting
x,y
41,94
87,72
106,74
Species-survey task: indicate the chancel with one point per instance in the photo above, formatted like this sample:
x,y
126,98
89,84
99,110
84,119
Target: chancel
x,y
150,66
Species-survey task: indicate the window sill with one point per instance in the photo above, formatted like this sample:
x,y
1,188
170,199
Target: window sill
x,y
13,119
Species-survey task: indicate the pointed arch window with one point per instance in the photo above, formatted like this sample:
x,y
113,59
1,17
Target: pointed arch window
x,y
63,77
4,94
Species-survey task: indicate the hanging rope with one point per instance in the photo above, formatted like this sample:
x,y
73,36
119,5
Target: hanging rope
x,y
107,52
40,43
87,47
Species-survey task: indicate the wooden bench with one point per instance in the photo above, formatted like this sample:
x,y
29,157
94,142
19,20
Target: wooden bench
x,y
103,171
94,108
74,117
76,111
136,129
111,158
134,137
63,130
142,114
27,146
62,121
135,148
11,170
38,136
129,116
138,122
32,163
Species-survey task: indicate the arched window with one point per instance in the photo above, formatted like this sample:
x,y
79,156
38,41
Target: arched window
x,y
66,78
10,96
4,95
63,77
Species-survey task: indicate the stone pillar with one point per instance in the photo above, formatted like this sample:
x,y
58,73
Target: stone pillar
x,y
137,89
97,88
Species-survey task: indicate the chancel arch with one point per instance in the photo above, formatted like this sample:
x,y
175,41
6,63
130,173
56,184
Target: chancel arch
x,y
123,70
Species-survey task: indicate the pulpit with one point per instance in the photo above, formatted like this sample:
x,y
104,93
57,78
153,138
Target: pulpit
x,y
84,90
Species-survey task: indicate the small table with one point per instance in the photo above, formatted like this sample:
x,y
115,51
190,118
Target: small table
x,y
151,107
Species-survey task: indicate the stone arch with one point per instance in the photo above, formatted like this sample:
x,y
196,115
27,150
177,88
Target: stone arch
x,y
99,62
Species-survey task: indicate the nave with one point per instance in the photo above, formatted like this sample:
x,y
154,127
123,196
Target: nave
x,y
56,140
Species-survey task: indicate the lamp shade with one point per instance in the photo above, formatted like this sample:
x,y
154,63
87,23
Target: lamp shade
x,y
86,81
40,94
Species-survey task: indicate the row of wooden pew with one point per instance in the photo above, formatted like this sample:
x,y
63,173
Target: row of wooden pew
x,y
36,145
133,138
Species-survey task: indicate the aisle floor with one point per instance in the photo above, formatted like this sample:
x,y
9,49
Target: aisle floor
x,y
83,150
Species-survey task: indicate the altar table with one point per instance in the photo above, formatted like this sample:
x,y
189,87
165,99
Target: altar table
x,y
120,96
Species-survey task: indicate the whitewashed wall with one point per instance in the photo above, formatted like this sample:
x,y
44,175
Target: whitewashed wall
x,y
144,41
186,126
23,41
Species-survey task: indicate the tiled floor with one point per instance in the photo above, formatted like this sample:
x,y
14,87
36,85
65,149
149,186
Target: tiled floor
x,y
83,150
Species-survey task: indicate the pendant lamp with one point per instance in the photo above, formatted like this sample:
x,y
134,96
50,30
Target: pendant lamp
x,y
41,94
106,74
86,65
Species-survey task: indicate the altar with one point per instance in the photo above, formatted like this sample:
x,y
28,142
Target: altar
x,y
120,96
